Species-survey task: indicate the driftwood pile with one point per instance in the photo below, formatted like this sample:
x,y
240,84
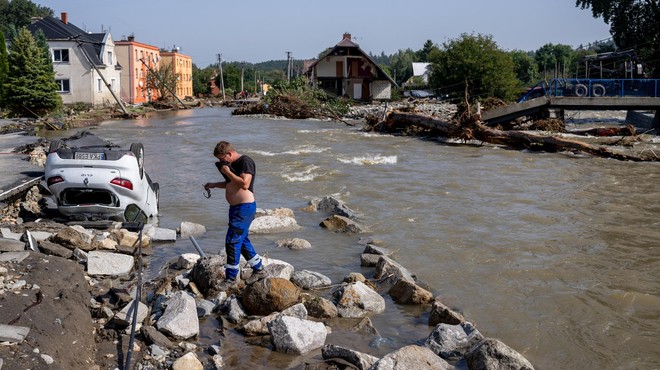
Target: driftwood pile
x,y
467,126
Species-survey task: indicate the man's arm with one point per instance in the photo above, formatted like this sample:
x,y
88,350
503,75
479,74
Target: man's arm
x,y
243,180
210,185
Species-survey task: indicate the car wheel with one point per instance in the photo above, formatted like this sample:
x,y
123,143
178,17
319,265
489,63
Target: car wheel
x,y
138,151
156,189
54,145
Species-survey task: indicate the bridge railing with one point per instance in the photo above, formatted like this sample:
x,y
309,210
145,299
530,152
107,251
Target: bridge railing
x,y
621,87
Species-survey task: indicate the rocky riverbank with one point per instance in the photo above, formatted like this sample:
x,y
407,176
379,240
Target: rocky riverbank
x,y
68,291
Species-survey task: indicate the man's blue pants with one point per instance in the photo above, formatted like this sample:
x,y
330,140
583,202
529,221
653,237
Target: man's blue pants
x,y
237,242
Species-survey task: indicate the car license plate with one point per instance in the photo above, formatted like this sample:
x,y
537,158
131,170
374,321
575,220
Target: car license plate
x,y
89,156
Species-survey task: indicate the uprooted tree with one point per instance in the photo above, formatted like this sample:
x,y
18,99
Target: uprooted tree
x,y
467,126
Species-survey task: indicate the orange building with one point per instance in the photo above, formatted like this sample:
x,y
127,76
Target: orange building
x,y
136,59
182,68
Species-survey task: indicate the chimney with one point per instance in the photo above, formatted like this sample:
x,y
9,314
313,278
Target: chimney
x,y
347,36
65,18
131,38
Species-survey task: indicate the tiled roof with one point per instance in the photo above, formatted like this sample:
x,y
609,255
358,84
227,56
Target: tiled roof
x,y
56,30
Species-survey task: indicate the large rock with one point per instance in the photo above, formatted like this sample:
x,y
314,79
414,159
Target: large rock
x,y
108,264
452,341
405,292
390,272
441,314
53,249
189,361
294,244
310,279
341,224
273,224
260,326
70,238
320,307
361,361
180,317
337,207
11,245
188,229
269,295
207,273
124,317
358,300
491,354
292,335
411,357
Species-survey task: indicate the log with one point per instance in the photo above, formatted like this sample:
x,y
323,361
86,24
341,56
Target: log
x,y
628,130
395,121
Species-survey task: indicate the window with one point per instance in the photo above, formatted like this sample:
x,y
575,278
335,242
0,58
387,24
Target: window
x,y
64,86
99,85
112,83
60,55
109,58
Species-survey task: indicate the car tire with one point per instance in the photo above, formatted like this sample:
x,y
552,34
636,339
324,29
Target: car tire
x,y
138,151
54,145
156,189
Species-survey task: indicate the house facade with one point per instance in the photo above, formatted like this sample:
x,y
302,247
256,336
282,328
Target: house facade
x,y
136,60
182,68
85,64
346,70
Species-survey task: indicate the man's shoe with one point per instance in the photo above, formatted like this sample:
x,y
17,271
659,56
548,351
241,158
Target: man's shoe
x,y
256,276
227,284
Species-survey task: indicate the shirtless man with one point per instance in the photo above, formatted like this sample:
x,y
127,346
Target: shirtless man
x,y
239,172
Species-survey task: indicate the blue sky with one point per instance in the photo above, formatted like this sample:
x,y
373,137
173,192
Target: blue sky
x,y
262,30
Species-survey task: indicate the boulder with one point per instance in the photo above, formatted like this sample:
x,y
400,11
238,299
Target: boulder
x,y
108,264
189,361
11,245
180,317
319,307
187,260
336,207
273,224
358,300
491,354
391,272
260,326
124,319
306,279
269,295
361,361
441,314
188,229
70,238
411,357
292,335
341,224
294,244
207,273
452,341
405,292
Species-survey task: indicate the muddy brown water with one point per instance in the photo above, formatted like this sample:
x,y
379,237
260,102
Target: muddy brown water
x,y
554,254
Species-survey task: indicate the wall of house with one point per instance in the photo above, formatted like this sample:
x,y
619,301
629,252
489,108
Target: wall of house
x,y
134,88
112,75
75,70
327,67
183,68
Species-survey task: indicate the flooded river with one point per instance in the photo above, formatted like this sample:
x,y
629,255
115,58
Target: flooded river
x,y
555,255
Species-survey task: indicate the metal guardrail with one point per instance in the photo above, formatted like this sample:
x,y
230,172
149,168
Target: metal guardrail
x,y
597,88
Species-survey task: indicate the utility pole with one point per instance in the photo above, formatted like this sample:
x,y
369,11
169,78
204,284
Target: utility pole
x,y
255,80
242,74
288,66
222,79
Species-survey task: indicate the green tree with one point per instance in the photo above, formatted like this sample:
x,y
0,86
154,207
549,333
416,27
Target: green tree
x,y
164,80
4,65
401,65
525,67
30,87
201,79
477,61
423,54
15,14
555,61
634,24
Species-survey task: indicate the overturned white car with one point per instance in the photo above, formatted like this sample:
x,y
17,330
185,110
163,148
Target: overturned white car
x,y
92,179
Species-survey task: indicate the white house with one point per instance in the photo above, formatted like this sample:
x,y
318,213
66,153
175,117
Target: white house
x,y
82,61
